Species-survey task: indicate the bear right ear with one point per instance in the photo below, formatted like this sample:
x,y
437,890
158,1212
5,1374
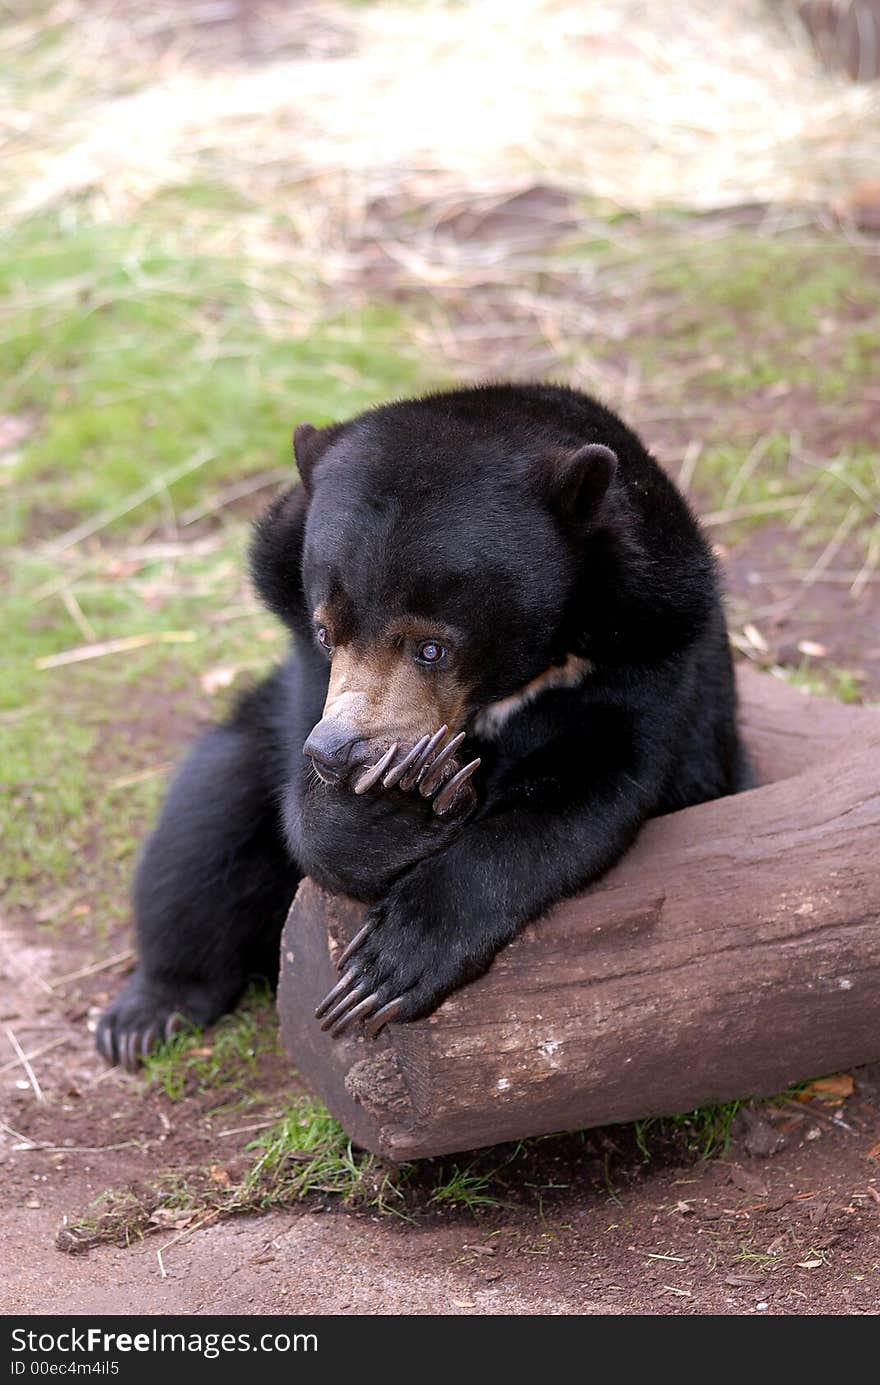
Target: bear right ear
x,y
575,481
309,443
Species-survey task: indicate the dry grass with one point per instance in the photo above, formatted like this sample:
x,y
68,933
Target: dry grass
x,y
369,147
319,108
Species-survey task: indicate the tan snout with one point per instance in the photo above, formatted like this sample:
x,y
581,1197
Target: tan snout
x,y
374,699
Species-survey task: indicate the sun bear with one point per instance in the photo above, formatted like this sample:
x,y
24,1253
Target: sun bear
x,y
508,650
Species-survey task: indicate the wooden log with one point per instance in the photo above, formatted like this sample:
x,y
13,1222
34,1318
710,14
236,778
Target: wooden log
x,y
734,950
786,731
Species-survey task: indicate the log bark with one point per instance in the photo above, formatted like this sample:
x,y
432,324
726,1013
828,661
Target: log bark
x,y
734,950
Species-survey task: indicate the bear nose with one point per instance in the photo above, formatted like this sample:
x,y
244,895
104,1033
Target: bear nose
x,y
330,750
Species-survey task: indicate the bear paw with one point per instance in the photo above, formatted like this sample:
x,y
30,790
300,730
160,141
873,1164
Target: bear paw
x,y
409,954
147,1014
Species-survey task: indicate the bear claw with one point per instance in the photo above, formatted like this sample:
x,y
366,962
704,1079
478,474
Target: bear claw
x,y
429,781
360,937
445,800
427,767
344,1005
395,775
415,773
434,771
382,1017
339,989
364,1007
369,778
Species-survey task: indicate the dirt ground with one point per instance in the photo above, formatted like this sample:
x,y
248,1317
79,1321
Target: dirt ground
x,y
588,1226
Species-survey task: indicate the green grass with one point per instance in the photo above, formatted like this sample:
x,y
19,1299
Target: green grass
x,y
465,1188
774,341
305,1153
770,306
72,738
308,1152
826,680
704,1132
227,1058
136,354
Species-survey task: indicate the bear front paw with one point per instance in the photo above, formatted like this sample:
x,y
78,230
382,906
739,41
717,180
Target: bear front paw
x,y
146,1014
410,953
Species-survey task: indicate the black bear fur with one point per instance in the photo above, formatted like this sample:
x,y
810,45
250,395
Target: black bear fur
x,y
532,524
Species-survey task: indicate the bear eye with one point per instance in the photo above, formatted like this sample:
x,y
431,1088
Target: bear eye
x,y
324,639
430,652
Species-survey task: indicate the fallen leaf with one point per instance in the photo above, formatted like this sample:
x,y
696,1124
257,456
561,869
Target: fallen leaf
x,y
874,1151
755,638
812,649
836,1087
463,1303
213,679
219,1175
171,1218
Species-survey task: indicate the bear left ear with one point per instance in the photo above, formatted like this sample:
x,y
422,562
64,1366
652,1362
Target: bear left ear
x,y
576,481
309,443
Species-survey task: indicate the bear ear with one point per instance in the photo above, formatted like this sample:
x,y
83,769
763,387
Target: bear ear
x,y
575,481
309,443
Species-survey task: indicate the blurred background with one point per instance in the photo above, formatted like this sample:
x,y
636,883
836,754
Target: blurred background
x,y
222,217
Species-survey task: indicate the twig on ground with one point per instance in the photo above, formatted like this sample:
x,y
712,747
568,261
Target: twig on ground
x,y
825,558
38,1052
833,576
689,461
116,960
27,1146
807,1109
867,572
75,611
131,502
122,646
206,1220
126,781
11,960
753,457
230,494
760,507
246,1129
25,1063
